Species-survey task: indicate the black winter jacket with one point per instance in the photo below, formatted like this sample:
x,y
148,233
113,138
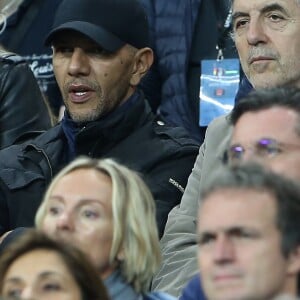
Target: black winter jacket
x,y
22,107
163,155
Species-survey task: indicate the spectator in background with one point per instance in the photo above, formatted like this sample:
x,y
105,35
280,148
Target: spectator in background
x,y
100,54
108,212
248,235
265,130
273,138
37,267
23,110
180,39
24,25
269,46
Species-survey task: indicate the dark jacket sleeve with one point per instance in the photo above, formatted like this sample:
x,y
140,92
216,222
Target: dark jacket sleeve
x,y
172,164
22,106
245,88
193,290
4,213
168,181
22,183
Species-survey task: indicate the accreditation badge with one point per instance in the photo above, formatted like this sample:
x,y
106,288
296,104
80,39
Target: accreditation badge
x,y
219,82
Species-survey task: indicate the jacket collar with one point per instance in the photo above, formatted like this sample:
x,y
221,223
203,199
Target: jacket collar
x,y
118,288
102,134
104,126
110,130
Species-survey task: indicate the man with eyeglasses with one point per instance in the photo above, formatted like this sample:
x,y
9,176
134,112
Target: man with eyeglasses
x,y
267,37
266,128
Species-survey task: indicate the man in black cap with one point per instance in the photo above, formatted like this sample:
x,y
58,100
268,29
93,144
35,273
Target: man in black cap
x,y
100,54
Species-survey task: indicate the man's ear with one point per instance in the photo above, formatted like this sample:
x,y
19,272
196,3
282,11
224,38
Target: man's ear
x,y
142,63
294,262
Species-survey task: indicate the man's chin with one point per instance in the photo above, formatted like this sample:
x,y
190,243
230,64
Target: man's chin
x,y
83,118
264,81
230,296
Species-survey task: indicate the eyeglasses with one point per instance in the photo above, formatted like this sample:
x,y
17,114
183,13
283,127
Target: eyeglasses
x,y
263,148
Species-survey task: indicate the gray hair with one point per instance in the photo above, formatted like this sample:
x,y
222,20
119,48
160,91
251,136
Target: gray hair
x,y
231,2
135,229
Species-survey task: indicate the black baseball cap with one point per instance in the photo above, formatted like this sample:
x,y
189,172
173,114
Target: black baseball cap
x,y
109,23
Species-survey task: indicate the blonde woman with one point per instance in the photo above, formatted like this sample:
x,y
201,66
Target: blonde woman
x,y
108,212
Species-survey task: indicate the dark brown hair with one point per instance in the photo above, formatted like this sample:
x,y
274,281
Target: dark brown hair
x,y
84,274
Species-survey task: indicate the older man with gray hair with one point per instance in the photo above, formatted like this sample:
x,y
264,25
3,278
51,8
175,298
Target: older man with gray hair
x,y
267,37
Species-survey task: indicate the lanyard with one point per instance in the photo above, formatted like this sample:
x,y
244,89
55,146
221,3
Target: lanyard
x,y
224,35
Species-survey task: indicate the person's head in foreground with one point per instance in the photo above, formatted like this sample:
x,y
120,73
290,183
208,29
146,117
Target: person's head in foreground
x,y
108,212
266,128
267,37
248,235
100,53
36,267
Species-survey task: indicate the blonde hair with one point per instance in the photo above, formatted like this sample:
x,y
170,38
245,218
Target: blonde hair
x,y
135,230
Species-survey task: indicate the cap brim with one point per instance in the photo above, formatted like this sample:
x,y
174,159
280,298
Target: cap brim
x,y
105,39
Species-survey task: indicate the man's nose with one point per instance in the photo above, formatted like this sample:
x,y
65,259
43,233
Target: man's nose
x,y
254,155
79,63
256,32
249,155
223,251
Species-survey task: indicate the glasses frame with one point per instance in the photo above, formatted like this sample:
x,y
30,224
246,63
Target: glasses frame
x,y
264,148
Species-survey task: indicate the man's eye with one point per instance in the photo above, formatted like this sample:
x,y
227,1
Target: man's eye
x,y
270,150
100,51
276,21
243,234
274,150
275,17
235,153
240,23
63,49
205,240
